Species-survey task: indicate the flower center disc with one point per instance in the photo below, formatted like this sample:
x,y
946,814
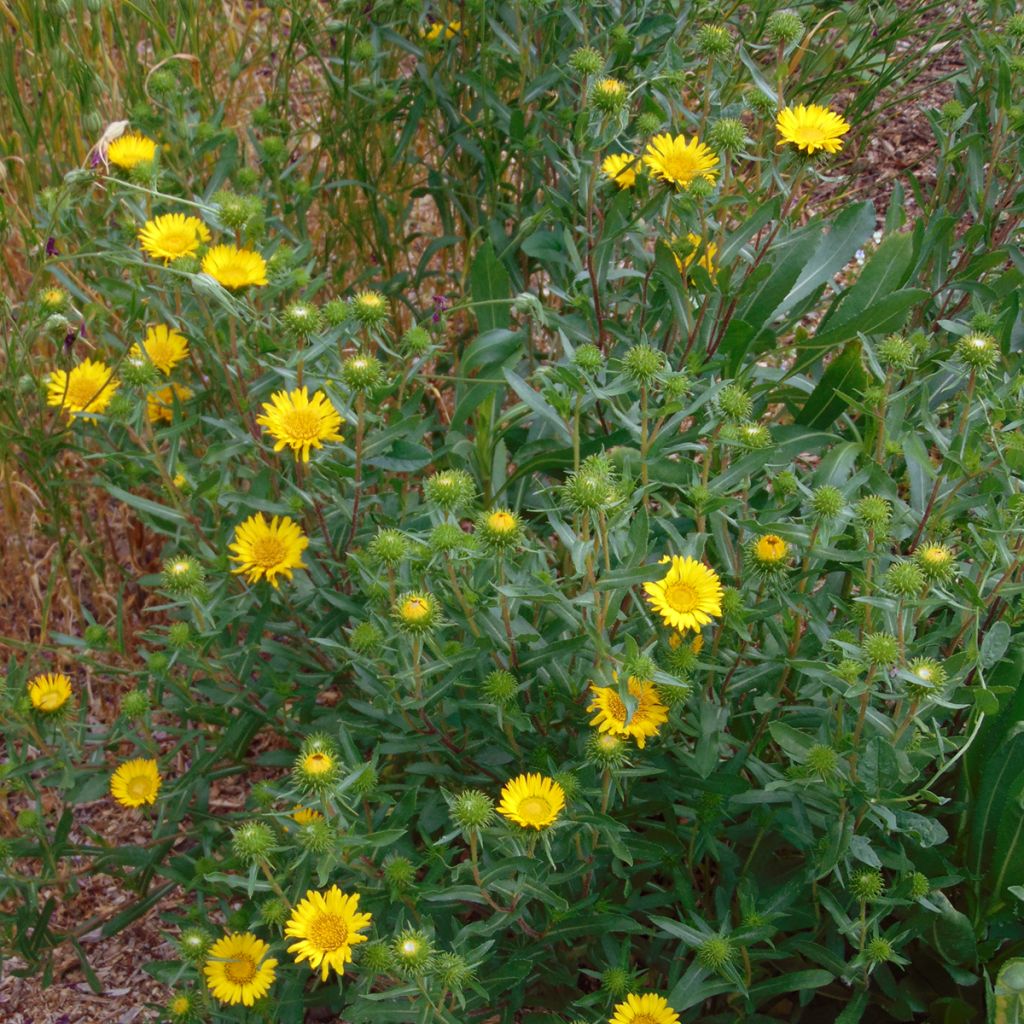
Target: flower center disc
x,y
50,700
138,787
240,969
302,424
177,241
268,551
317,763
328,932
682,597
616,708
534,808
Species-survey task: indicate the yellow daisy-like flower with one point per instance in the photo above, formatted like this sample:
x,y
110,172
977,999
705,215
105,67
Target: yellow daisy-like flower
x,y
648,717
265,549
532,801
236,971
648,1008
306,815
49,692
131,150
771,549
235,268
327,926
164,346
811,128
621,168
84,389
502,522
688,596
433,32
172,235
319,762
160,404
680,161
135,782
708,251
299,422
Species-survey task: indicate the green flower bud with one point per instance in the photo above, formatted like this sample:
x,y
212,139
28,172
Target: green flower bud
x,y
904,579
937,562
609,95
194,943
606,750
715,41
642,364
448,537
302,319
370,309
752,435
849,670
499,530
452,971
317,836
919,886
898,353
399,873
366,784
617,981
95,636
274,149
366,638
761,104
252,842
727,135
878,951
451,490
472,809
785,27
928,678
586,61
867,885
881,649
873,513
364,50
183,575
979,351
388,548
649,123
589,359
732,602
500,687
785,484
376,958
716,952
179,635
678,693
950,113
336,312
28,820
416,341
827,502
822,760
134,705
411,951
157,662
734,402
274,911
362,373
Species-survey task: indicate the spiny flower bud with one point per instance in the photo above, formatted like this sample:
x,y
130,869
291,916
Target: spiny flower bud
x,y
366,784
849,670
186,1007
761,103
716,952
399,873
734,402
95,636
451,490
714,41
416,611
979,351
362,372
649,123
904,579
448,537
897,352
252,842
606,750
928,678
274,911
138,372
472,809
732,603
617,981
639,666
674,694
336,312
642,364
302,319
134,705
609,95
936,561
318,837
411,950
881,649
727,135
677,386
500,687
318,766
194,944
873,512
183,575
233,211
919,886
377,958
768,553
784,27
500,530
590,490
388,548
589,358
416,341
366,638
950,112
822,760
754,436
867,885
878,951
682,653
586,61
179,635
452,971
370,308
827,502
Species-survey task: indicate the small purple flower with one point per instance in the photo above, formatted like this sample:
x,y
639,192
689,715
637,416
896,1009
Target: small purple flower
x,y
69,341
441,303
51,246
96,160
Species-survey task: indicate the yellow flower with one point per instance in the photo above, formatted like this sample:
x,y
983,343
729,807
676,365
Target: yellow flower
x,y
621,168
160,404
172,235
236,971
417,611
433,32
131,150
265,549
676,640
87,388
811,128
688,596
648,716
164,346
610,87
135,783
532,801
648,1008
679,161
771,549
306,815
319,762
707,259
327,926
299,422
49,692
235,268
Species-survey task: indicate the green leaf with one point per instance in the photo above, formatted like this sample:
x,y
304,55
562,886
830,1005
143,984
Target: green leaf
x,y
144,505
843,377
490,287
